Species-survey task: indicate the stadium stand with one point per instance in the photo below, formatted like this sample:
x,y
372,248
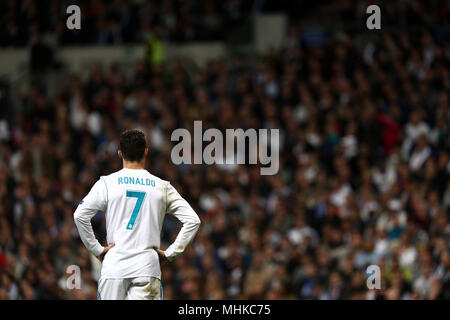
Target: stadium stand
x,y
364,161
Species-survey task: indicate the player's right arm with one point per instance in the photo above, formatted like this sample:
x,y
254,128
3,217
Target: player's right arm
x,y
181,209
95,201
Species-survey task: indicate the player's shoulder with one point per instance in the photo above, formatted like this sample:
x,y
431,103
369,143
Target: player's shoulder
x,y
111,175
159,180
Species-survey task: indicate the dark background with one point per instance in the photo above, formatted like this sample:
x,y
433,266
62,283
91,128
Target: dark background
x,y
364,120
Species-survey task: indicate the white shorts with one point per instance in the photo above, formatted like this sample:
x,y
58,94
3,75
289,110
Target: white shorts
x,y
141,288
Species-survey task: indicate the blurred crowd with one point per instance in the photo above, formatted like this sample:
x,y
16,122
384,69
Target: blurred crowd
x,y
363,179
106,22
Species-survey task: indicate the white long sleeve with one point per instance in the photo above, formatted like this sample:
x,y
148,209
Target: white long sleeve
x,y
95,201
181,209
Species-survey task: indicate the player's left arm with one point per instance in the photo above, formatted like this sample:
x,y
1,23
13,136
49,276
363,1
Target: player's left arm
x,y
181,209
96,200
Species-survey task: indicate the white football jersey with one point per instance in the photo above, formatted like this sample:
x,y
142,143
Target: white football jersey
x,y
135,203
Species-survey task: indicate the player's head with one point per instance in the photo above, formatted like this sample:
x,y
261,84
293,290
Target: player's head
x,y
133,146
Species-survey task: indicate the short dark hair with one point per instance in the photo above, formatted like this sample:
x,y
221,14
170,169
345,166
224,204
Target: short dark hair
x,y
132,144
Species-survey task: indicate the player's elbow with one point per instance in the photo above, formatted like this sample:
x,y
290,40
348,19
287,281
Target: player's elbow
x,y
78,216
193,219
196,222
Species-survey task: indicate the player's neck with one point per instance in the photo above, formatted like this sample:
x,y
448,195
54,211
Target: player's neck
x,y
133,165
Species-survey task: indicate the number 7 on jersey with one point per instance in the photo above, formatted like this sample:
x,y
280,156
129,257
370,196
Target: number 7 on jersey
x,y
140,198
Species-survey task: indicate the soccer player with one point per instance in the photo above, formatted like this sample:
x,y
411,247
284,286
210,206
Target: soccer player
x,y
135,203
